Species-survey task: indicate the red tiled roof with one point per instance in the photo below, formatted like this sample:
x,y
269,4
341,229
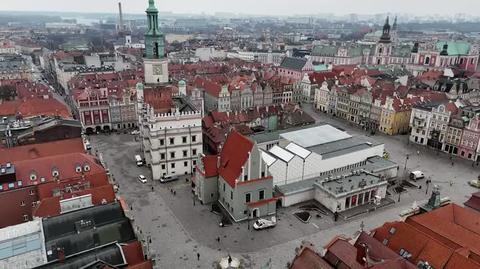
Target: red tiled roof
x,y
65,164
345,252
474,201
309,259
50,206
207,122
210,165
159,98
35,151
35,107
254,180
262,202
234,154
452,225
133,253
418,244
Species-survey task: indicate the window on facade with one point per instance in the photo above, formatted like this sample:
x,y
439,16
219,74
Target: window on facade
x,y
263,174
172,165
172,154
223,186
25,217
185,153
261,195
184,139
163,166
194,162
245,177
231,195
162,142
172,141
185,164
22,203
354,200
194,138
247,198
162,156
194,152
347,202
385,242
360,199
34,204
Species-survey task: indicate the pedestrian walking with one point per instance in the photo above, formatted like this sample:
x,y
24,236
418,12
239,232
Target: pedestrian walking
x,y
218,239
198,256
152,188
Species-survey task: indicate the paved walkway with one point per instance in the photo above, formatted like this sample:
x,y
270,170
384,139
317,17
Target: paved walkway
x,y
175,242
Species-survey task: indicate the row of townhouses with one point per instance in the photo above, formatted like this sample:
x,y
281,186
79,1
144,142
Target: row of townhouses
x,y
448,128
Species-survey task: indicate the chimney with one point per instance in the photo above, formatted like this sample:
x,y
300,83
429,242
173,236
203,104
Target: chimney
x,y
120,26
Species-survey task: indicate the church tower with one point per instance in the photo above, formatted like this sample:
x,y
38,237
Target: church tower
x,y
154,62
385,38
394,32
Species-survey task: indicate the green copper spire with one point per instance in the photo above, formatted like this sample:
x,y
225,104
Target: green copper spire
x,y
154,41
151,6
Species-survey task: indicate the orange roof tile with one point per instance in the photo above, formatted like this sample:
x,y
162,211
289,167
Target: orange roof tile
x,y
34,151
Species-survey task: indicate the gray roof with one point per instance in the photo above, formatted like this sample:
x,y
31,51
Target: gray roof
x,y
353,182
373,165
87,228
111,253
343,146
275,135
293,63
315,136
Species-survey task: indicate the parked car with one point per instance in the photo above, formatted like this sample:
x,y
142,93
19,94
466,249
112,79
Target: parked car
x,y
142,179
261,224
138,160
168,178
414,175
474,183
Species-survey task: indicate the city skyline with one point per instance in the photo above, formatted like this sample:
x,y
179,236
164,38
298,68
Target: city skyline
x,y
251,7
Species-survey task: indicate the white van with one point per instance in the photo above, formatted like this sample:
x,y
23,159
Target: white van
x,y
414,175
139,160
168,178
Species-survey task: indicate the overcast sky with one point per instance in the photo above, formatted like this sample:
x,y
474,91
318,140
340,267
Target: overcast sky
x,y
268,7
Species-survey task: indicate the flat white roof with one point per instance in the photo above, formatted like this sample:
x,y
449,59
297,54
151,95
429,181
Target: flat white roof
x,y
315,136
297,150
21,246
268,159
281,153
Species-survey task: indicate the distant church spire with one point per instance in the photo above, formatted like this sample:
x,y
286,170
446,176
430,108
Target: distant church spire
x,y
394,27
385,38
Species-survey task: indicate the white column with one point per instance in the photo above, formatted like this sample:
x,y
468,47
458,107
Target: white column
x,y
249,165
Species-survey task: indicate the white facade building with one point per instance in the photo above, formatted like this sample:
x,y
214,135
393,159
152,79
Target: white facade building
x,y
305,158
171,141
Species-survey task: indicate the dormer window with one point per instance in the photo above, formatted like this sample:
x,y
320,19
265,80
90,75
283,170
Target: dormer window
x,y
78,168
33,176
55,172
86,167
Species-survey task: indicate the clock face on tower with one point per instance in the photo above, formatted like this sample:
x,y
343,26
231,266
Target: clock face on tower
x,y
157,69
